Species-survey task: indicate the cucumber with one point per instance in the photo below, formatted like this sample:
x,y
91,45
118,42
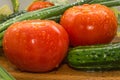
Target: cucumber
x,y
50,12
94,46
97,57
40,14
47,13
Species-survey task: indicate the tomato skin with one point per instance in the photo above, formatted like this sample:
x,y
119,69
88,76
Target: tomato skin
x,y
39,5
35,45
89,24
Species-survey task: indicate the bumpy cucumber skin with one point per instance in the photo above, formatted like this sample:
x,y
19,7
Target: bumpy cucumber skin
x,y
105,57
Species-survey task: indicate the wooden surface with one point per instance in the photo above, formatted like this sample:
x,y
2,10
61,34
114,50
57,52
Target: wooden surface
x,y
62,73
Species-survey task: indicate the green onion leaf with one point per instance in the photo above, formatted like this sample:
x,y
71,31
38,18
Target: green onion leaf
x,y
4,75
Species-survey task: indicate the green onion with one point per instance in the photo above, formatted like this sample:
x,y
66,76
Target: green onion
x,y
111,3
4,75
15,4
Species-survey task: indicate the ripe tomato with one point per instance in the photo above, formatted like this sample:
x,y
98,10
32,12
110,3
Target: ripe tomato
x,y
35,45
39,5
89,24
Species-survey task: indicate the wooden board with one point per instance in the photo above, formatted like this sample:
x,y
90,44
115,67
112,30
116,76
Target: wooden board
x,y
62,73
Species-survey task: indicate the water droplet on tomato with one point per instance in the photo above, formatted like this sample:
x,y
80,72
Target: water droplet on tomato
x,y
90,27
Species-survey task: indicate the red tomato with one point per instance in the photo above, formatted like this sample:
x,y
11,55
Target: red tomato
x,y
39,5
35,45
89,24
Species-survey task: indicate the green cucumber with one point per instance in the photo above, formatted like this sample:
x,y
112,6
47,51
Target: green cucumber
x,y
45,13
28,15
49,12
94,46
40,14
97,57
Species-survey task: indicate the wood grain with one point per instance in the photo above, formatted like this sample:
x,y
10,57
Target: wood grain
x,y
64,72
